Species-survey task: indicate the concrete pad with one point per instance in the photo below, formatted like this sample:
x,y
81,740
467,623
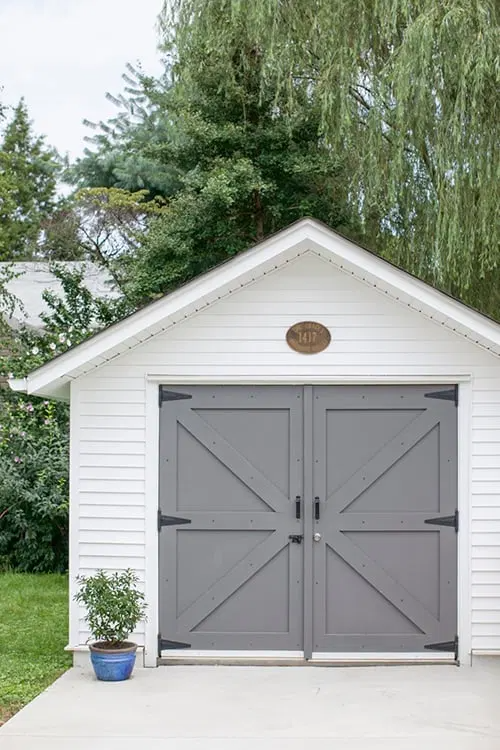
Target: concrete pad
x,y
278,708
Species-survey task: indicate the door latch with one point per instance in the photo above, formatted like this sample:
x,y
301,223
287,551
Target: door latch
x,y
296,538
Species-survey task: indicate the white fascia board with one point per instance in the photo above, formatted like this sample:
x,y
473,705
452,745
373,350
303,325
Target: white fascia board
x,y
402,283
18,384
112,341
59,391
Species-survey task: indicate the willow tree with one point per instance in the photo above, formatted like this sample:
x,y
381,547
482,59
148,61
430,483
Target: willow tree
x,y
409,91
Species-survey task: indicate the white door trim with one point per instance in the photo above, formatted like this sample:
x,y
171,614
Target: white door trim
x,y
167,379
151,566
382,658
464,449
464,489
193,654
74,511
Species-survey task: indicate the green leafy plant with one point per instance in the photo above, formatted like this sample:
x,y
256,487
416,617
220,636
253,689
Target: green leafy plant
x,y
114,605
34,433
33,484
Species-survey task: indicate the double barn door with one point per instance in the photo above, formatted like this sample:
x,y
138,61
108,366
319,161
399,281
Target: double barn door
x,y
297,518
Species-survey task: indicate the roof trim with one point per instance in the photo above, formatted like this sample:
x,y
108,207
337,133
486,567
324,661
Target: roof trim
x,y
53,377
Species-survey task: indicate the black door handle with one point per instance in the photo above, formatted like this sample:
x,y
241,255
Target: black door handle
x,y
297,506
316,508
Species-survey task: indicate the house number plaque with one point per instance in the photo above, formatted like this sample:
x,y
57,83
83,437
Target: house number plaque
x,y
308,337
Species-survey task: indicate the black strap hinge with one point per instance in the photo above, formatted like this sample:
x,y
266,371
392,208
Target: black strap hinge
x,y
445,646
165,395
170,520
451,394
444,521
164,644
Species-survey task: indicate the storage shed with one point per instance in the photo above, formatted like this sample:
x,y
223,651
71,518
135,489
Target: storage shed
x,y
299,454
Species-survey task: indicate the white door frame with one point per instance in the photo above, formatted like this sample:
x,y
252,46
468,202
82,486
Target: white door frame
x,y
153,380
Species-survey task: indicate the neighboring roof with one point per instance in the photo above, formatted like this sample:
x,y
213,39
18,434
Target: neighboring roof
x,y
30,280
52,379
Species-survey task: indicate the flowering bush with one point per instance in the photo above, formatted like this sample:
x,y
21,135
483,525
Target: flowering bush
x,y
33,484
34,432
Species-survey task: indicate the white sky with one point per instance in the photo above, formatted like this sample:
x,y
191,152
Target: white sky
x,y
64,55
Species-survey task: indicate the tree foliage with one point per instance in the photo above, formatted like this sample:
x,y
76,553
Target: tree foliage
x,y
104,225
33,485
245,165
28,177
408,90
122,151
34,493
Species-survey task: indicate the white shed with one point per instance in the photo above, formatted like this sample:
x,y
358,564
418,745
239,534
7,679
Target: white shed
x,y
327,491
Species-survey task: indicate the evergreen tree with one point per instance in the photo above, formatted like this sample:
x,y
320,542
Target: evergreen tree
x,y
242,164
122,151
28,176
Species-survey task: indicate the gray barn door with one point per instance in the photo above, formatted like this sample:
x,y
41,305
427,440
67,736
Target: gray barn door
x,y
308,512
231,462
385,461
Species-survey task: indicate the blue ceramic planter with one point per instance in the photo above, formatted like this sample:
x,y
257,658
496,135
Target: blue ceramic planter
x,y
113,665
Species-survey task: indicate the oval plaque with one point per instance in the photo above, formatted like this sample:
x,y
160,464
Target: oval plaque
x,y
308,337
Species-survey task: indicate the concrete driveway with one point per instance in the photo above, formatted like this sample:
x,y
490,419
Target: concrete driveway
x,y
266,708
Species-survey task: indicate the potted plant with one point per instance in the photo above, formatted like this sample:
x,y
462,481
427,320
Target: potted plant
x,y
114,606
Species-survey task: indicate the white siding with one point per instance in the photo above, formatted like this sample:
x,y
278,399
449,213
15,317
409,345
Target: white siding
x,y
242,337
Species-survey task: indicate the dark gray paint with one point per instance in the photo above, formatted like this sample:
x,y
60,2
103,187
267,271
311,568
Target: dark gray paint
x,y
385,460
231,461
381,459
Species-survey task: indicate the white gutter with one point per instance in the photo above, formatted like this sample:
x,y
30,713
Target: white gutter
x,y
18,384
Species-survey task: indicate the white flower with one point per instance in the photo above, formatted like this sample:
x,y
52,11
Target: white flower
x,y
35,350
11,375
71,329
52,346
68,343
62,337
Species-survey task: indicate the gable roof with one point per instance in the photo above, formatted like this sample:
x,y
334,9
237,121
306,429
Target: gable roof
x,y
305,235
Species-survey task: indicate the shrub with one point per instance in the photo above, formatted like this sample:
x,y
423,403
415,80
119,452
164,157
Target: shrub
x,y
33,485
34,433
114,605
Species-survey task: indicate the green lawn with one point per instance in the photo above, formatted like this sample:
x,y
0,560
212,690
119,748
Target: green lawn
x,y
33,634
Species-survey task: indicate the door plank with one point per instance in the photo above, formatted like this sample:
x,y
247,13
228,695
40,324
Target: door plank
x,y
233,580
383,460
390,521
390,589
238,464
231,521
